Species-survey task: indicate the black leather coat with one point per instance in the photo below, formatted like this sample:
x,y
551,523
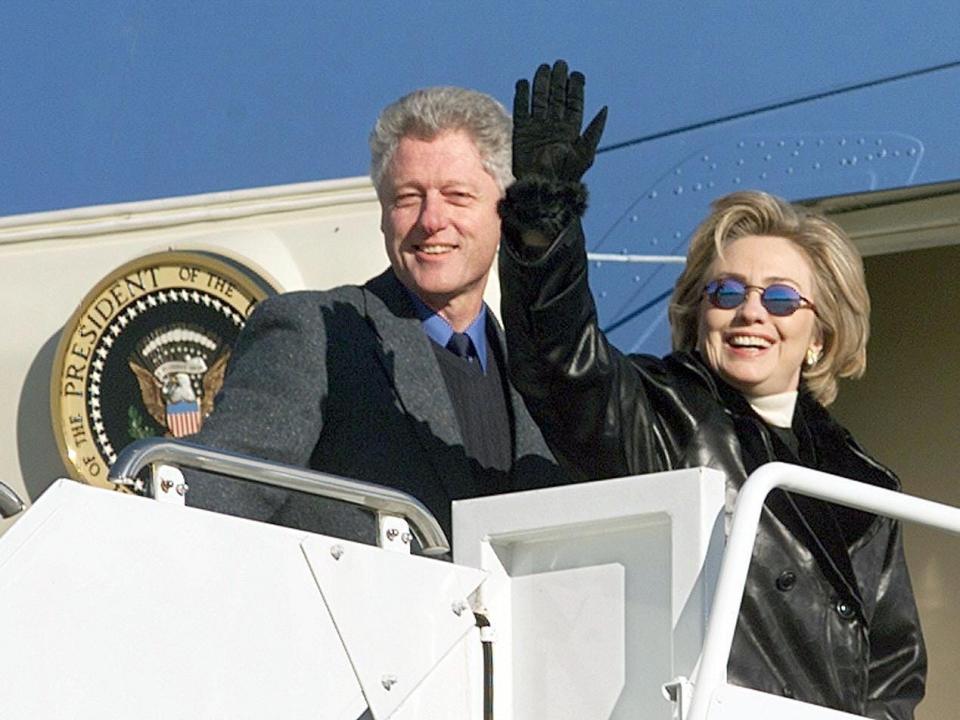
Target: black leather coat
x,y
828,614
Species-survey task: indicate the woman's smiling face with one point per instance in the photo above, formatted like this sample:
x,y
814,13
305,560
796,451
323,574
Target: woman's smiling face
x,y
754,351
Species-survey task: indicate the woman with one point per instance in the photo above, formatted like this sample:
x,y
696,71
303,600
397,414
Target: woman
x,y
770,310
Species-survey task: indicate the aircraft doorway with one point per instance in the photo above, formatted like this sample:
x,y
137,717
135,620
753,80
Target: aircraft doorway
x,y
906,409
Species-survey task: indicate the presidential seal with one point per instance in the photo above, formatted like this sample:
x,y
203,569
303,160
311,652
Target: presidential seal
x,y
145,353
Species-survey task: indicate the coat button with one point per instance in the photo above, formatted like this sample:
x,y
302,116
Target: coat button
x,y
786,580
845,609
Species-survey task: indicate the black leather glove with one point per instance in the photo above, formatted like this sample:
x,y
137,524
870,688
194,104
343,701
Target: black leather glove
x,y
546,134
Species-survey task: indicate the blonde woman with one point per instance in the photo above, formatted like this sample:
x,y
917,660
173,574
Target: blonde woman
x,y
770,311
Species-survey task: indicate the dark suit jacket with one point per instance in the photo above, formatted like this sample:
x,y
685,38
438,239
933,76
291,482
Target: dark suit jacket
x,y
346,381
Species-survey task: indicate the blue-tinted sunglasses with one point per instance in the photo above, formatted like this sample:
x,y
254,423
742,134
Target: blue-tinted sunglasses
x,y
777,299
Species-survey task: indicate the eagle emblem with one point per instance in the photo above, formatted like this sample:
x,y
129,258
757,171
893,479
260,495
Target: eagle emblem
x,y
179,373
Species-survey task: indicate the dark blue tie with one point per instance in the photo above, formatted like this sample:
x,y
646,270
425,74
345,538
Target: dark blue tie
x,y
461,345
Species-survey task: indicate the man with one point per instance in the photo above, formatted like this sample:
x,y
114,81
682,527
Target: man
x,y
401,381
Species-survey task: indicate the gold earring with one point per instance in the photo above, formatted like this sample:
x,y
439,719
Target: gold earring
x,y
813,356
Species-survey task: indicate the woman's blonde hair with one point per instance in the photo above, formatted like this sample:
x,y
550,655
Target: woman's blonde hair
x,y
840,290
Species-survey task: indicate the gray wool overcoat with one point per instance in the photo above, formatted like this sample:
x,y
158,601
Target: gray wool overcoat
x,y
346,381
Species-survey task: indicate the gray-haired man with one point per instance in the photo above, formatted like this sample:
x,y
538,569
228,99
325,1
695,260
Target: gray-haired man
x,y
401,381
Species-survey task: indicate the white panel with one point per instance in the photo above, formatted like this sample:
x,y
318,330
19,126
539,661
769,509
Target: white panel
x,y
566,616
665,529
444,694
117,606
398,615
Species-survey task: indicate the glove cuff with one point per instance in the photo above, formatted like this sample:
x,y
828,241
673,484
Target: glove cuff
x,y
542,204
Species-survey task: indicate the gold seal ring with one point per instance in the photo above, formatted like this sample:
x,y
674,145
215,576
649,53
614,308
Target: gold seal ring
x,y
144,354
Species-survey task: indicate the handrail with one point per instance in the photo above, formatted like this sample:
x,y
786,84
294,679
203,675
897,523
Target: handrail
x,y
383,500
736,559
10,502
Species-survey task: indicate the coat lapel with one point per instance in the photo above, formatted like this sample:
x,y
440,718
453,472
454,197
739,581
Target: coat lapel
x,y
410,364
811,521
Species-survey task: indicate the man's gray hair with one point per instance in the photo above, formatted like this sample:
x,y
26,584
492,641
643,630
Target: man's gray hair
x,y
425,114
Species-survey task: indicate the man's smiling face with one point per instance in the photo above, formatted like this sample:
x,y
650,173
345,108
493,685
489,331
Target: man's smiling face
x,y
439,221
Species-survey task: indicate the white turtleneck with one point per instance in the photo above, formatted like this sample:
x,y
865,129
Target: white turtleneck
x,y
776,410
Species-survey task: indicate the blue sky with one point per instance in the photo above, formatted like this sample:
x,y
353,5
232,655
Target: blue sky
x,y
114,100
